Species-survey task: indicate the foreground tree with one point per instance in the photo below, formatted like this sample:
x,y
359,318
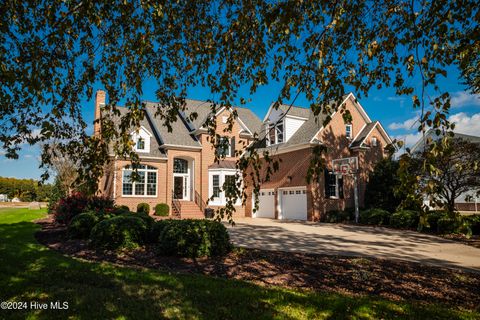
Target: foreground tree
x,y
381,191
53,52
454,171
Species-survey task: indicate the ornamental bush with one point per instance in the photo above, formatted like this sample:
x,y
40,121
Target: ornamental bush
x,y
375,216
433,217
404,219
162,209
81,225
143,207
191,238
121,232
474,223
70,206
337,216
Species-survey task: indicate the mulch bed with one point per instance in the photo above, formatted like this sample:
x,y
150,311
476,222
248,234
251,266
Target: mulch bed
x,y
390,279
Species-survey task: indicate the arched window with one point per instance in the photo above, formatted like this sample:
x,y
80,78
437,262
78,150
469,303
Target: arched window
x,y
145,183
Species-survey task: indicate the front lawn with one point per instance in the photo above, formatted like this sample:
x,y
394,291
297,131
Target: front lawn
x,y
31,272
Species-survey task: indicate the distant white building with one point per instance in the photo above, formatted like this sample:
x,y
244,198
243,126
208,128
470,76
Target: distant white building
x,y
3,198
468,201
16,199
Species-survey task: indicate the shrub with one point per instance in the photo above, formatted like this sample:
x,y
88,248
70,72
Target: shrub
x,y
192,238
69,207
119,232
100,203
374,216
336,216
81,225
143,207
404,219
474,222
433,217
162,209
447,224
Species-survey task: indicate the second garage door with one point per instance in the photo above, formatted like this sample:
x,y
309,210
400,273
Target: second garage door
x,y
293,203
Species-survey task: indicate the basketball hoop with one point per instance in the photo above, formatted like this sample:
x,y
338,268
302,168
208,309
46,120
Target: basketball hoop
x,y
345,166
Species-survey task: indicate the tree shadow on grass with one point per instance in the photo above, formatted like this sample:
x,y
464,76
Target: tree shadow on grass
x,y
31,272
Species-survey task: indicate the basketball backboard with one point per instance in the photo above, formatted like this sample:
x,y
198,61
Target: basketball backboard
x,y
345,166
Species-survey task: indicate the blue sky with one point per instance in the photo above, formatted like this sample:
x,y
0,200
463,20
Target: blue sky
x,y
395,113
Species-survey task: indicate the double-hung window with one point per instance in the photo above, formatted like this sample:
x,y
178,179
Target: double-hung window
x,y
348,131
145,183
333,185
276,133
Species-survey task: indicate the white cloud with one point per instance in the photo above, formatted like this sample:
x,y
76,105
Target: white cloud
x,y
408,124
462,99
409,139
466,124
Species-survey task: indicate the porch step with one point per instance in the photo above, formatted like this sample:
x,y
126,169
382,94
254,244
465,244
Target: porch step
x,y
189,210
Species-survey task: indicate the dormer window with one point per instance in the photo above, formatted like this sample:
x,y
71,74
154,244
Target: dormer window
x,y
276,133
141,139
140,144
348,131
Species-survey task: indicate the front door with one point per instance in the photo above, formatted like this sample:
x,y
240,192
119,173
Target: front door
x,y
178,187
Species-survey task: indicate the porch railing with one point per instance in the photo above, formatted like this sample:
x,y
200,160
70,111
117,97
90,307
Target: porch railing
x,y
199,202
176,206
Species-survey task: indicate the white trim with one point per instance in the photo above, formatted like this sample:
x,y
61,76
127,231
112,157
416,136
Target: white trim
x,y
350,126
291,148
146,183
331,118
383,132
141,128
173,146
358,133
221,172
361,109
268,112
295,117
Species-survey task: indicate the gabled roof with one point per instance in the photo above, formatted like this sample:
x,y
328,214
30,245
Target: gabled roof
x,y
178,136
360,138
431,133
294,111
155,151
203,109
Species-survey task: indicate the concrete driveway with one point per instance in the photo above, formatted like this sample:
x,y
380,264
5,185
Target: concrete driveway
x,y
351,240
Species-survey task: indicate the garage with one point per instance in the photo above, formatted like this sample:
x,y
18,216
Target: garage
x,y
293,203
266,205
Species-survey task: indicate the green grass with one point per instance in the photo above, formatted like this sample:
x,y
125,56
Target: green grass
x,y
31,272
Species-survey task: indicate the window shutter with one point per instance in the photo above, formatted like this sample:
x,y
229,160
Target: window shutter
x,y
232,147
340,187
326,178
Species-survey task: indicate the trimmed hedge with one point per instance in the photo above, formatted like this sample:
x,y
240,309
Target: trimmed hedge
x,y
474,223
191,238
162,209
375,216
121,232
143,208
82,224
336,216
404,219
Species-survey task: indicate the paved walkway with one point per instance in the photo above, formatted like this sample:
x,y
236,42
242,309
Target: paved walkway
x,y
353,240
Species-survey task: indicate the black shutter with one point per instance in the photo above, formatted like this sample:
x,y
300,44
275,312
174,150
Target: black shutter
x,y
326,179
232,147
340,187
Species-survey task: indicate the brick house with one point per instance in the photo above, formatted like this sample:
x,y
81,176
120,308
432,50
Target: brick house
x,y
178,167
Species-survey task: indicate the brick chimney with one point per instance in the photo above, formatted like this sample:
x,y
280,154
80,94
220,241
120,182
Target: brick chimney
x,y
99,104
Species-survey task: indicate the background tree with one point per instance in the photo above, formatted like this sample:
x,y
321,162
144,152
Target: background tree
x,y
53,52
382,185
456,171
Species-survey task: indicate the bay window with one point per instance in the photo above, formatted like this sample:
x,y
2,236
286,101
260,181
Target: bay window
x,y
222,184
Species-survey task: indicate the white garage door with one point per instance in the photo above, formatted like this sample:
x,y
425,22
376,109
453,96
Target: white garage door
x,y
266,204
293,203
